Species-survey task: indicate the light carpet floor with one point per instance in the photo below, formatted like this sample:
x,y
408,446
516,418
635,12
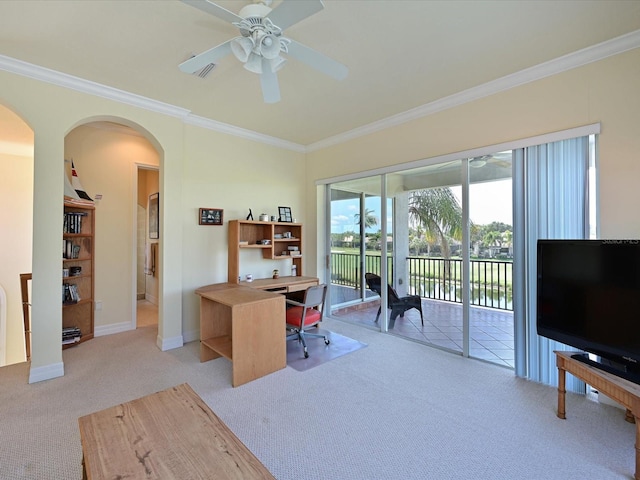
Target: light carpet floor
x,y
319,352
393,410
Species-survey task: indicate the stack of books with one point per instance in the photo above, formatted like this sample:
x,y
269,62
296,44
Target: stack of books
x,y
70,335
70,294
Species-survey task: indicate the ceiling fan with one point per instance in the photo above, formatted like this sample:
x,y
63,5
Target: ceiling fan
x,y
261,41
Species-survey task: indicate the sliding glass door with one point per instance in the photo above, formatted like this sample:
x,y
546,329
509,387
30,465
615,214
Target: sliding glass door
x,y
355,242
491,329
448,254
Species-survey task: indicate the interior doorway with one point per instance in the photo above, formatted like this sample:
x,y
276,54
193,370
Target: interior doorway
x,y
147,258
16,218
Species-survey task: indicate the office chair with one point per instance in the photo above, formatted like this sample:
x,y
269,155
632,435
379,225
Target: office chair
x,y
398,305
306,314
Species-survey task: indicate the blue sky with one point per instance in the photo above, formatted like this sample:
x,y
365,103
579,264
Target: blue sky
x,y
489,202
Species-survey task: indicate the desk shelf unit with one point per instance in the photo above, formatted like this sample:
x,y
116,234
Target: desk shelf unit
x,y
78,253
243,325
245,234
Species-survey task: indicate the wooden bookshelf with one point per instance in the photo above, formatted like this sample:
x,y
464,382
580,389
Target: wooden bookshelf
x,y
78,244
284,242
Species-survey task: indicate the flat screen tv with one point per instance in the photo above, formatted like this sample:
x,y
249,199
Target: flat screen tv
x,y
588,297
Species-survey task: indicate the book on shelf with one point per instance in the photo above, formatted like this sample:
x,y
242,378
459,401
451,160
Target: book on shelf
x,y
70,294
73,222
71,335
70,250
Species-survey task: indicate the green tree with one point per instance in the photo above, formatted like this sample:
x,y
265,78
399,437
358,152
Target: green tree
x,y
437,210
370,220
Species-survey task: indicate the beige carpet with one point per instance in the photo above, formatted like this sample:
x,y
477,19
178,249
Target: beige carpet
x,y
393,410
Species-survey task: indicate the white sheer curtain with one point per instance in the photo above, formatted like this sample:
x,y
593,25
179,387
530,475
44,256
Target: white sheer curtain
x,y
551,200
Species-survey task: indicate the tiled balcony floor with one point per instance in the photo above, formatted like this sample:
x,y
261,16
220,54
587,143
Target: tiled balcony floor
x,y
491,330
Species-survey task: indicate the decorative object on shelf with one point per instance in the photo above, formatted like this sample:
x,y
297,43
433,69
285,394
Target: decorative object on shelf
x,y
75,182
263,217
276,274
285,214
210,216
250,216
274,218
154,215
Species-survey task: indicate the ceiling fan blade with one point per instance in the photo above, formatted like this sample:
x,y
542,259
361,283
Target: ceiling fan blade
x,y
290,12
205,58
269,83
317,60
213,9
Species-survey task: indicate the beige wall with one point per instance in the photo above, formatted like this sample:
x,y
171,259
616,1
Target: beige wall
x,y
607,91
236,175
16,198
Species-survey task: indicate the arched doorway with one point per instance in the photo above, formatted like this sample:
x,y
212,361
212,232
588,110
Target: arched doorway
x,y
108,154
16,220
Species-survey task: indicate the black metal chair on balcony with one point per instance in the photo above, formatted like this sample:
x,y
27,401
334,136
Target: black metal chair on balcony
x,y
398,305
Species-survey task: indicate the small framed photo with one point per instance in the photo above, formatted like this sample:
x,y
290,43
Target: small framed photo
x,y
284,214
154,215
210,216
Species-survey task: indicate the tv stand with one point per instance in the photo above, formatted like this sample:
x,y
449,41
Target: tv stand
x,y
622,391
611,366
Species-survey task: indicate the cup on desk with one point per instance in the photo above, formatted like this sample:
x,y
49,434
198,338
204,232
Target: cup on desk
x,y
249,277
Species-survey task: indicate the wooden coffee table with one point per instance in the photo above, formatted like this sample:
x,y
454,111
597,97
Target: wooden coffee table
x,y
170,434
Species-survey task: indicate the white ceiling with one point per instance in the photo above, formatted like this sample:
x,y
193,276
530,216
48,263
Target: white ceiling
x,y
401,54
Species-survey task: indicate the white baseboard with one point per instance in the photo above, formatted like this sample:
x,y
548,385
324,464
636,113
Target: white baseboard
x,y
112,328
191,336
165,344
151,298
46,372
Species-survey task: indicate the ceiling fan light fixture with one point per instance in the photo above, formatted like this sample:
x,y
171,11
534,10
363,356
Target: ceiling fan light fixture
x,y
241,47
478,162
270,46
254,63
254,12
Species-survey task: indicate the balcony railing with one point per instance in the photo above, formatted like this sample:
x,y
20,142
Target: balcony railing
x,y
436,278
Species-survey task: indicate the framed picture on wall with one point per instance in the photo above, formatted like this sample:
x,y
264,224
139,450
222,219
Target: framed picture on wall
x,y
285,214
210,216
154,215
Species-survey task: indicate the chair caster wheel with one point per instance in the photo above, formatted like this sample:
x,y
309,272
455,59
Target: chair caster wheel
x,y
306,354
327,341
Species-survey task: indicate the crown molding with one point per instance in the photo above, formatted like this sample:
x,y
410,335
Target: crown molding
x,y
570,61
86,86
64,80
558,65
241,132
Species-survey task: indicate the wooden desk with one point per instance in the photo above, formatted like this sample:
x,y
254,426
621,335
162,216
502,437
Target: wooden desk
x,y
169,434
244,325
622,391
282,284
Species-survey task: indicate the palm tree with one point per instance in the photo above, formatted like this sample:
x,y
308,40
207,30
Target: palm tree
x,y
370,220
438,211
